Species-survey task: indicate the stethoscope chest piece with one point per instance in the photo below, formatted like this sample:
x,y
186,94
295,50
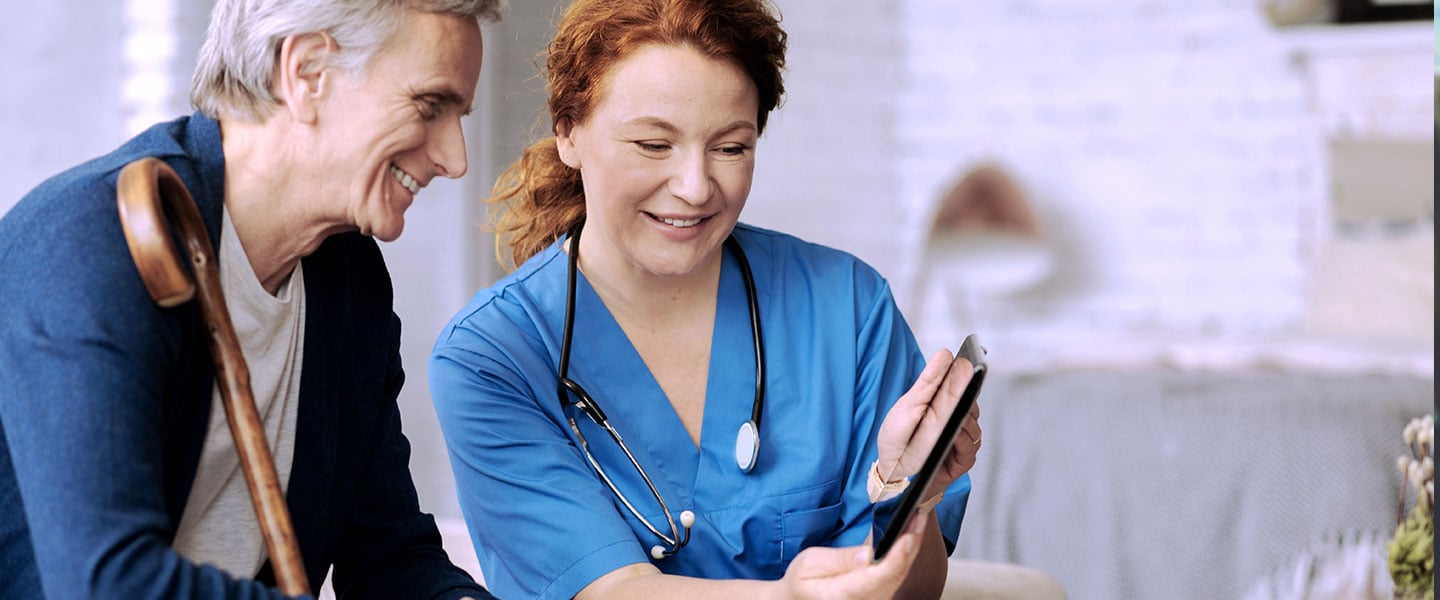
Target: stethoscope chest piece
x,y
747,446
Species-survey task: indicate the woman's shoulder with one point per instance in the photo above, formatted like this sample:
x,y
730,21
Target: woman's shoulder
x,y
787,255
516,303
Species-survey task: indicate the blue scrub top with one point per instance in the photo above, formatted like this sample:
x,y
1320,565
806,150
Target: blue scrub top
x,y
838,353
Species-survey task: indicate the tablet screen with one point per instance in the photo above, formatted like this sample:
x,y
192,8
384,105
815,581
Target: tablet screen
x,y
894,514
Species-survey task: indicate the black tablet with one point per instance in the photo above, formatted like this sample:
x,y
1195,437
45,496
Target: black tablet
x,y
893,515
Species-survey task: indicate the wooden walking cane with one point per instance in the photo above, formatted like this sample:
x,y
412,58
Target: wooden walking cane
x,y
145,187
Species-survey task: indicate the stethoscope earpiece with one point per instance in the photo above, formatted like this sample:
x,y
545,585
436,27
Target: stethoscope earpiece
x,y
687,520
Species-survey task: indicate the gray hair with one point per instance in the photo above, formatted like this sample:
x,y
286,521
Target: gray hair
x,y
236,63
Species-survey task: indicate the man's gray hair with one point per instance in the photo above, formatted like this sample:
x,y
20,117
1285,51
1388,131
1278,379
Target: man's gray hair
x,y
236,63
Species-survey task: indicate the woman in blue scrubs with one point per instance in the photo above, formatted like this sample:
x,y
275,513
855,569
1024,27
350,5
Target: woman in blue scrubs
x,y
619,224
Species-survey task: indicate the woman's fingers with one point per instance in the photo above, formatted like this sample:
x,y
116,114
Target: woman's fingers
x,y
912,428
944,402
889,572
851,572
904,419
821,563
936,371
966,448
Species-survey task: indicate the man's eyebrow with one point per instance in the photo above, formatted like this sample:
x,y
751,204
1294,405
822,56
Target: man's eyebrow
x,y
450,96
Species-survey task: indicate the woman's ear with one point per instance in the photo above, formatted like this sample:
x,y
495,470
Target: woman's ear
x,y
566,144
301,74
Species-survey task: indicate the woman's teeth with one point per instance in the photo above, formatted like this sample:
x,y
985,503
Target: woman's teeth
x,y
405,179
679,222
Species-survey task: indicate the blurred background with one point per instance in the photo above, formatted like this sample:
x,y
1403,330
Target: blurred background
x,y
1197,238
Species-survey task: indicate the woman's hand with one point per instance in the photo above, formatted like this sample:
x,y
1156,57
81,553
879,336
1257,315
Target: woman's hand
x,y
841,573
913,425
817,573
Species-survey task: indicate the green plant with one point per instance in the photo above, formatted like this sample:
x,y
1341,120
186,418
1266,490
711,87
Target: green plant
x,y
1412,550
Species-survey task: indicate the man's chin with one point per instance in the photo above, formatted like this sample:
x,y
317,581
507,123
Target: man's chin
x,y
388,235
385,232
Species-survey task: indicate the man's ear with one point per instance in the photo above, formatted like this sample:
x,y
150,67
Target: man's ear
x,y
301,76
565,144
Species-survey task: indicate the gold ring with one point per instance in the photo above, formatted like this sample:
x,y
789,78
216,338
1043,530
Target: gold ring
x,y
976,442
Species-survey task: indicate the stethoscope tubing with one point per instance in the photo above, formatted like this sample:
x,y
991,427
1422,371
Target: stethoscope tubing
x,y
758,337
565,386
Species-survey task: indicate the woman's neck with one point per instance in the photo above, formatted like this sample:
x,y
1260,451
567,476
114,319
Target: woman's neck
x,y
669,320
639,298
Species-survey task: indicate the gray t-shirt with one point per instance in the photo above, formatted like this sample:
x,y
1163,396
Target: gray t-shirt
x,y
219,526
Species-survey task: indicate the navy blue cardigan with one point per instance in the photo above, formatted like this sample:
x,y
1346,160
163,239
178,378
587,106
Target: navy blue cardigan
x,y
105,398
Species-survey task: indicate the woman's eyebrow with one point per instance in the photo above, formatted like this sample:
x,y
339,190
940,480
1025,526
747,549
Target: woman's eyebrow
x,y
667,126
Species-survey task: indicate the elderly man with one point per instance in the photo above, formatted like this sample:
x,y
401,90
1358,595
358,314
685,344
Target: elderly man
x,y
318,123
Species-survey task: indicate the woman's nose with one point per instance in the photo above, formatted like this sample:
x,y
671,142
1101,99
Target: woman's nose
x,y
691,180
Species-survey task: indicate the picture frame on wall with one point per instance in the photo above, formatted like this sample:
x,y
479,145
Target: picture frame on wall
x,y
1373,11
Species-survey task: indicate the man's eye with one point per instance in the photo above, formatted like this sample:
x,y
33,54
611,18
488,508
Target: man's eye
x,y
430,108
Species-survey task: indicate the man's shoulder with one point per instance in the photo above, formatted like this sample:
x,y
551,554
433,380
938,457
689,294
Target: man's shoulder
x,y
62,247
73,204
163,140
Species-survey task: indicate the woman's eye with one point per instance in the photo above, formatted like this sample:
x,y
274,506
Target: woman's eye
x,y
732,151
652,147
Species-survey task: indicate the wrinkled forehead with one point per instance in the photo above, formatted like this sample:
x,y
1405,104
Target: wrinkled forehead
x,y
433,49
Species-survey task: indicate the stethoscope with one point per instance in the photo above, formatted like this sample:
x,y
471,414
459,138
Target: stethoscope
x,y
747,440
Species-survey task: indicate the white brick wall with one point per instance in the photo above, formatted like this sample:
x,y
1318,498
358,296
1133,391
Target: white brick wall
x,y
826,168
1163,143
1175,150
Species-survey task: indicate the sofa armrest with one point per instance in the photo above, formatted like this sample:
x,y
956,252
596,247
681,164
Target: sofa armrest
x,y
981,580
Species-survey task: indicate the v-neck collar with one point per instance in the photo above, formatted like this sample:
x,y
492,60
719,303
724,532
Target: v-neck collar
x,y
618,379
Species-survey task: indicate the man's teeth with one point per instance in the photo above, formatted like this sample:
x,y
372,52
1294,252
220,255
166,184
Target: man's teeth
x,y
405,179
680,222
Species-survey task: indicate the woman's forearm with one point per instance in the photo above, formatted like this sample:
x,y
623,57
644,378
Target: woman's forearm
x,y
926,579
644,581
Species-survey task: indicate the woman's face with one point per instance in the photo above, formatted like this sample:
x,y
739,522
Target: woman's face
x,y
666,156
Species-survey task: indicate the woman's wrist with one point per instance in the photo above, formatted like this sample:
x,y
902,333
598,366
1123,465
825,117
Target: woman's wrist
x,y
929,503
879,488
